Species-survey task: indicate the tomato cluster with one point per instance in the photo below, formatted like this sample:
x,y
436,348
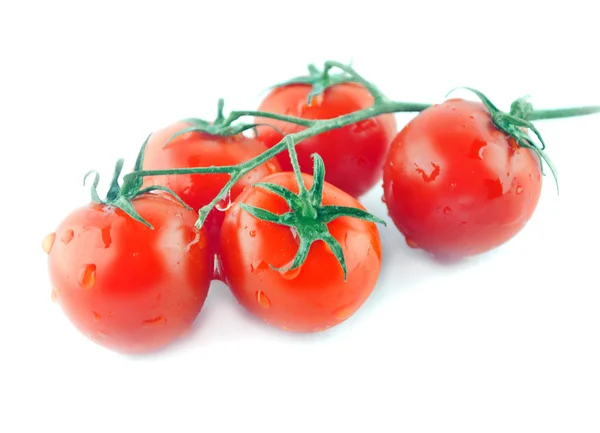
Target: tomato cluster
x,y
132,272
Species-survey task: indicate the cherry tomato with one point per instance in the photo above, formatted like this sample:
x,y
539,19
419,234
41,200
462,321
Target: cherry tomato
x,y
353,155
199,149
455,185
128,287
314,296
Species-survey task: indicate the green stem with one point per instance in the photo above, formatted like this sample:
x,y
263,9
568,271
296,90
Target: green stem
x,y
291,147
235,115
560,113
377,94
316,127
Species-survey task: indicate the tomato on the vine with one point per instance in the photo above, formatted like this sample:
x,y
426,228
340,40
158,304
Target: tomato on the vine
x,y
201,149
353,154
456,185
313,296
129,287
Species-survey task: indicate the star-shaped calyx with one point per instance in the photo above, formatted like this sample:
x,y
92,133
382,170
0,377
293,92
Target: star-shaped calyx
x,y
308,216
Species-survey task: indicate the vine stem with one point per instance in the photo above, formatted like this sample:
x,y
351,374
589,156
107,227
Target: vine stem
x,y
377,94
560,113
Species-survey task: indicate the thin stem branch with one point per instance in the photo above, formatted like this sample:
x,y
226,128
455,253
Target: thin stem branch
x,y
235,115
377,94
559,113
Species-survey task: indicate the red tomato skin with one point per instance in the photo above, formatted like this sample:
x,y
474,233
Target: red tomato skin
x,y
353,155
198,149
315,297
455,185
129,288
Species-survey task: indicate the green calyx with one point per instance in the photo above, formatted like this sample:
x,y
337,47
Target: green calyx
x,y
516,124
121,196
319,80
308,216
221,126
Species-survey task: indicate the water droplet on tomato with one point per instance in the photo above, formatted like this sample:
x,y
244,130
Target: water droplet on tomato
x,y
252,233
519,189
87,276
262,300
155,321
97,317
48,242
447,210
67,236
411,243
477,149
259,266
453,185
344,312
225,203
291,274
270,167
294,232
364,125
106,239
383,199
217,268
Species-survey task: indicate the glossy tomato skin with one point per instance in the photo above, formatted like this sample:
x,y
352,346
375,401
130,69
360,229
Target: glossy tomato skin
x,y
314,297
455,185
198,149
128,287
353,155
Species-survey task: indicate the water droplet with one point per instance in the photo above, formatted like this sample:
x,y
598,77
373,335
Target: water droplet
x,y
383,199
291,273
106,239
519,189
495,188
217,268
411,243
477,149
259,266
344,312
447,210
270,167
252,233
224,203
48,242
159,320
67,236
431,176
364,125
453,185
87,276
294,233
262,300
54,295
96,316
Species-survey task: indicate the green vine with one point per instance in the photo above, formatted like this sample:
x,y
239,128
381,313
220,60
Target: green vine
x,y
307,214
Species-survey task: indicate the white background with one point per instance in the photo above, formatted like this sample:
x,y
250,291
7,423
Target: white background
x,y
505,342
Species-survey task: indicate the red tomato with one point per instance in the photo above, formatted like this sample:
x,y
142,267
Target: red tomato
x,y
314,296
129,287
353,155
455,185
198,149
